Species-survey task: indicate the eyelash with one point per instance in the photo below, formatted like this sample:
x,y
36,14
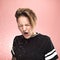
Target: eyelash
x,y
22,25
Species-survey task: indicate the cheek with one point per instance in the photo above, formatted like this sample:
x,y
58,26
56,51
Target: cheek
x,y
30,28
20,29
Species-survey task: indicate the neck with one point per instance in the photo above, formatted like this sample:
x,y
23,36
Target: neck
x,y
34,34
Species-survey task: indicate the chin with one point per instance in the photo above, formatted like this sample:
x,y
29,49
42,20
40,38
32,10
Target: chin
x,y
27,37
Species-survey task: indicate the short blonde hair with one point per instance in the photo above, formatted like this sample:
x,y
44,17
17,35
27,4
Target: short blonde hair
x,y
27,13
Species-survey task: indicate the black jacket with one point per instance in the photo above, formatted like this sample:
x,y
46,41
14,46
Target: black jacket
x,y
38,47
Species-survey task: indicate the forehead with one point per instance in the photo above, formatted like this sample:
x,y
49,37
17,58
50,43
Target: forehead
x,y
23,20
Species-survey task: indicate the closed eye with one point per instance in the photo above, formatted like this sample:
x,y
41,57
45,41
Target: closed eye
x,y
27,25
20,26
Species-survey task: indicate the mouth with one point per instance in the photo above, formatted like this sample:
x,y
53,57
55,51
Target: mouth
x,y
25,33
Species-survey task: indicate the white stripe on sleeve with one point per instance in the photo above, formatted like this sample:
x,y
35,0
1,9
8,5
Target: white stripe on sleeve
x,y
50,52
13,51
51,56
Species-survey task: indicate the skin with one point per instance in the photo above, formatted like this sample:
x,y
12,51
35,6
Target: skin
x,y
25,27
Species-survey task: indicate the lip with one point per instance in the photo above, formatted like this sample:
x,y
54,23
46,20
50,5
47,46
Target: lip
x,y
26,34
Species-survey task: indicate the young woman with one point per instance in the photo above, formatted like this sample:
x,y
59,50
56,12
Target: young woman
x,y
31,45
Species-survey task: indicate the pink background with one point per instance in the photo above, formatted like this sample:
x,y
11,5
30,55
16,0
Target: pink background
x,y
48,14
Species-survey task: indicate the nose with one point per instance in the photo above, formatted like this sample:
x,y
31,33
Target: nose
x,y
24,28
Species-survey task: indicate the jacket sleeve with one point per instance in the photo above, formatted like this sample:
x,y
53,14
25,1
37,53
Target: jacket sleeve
x,y
14,47
50,52
13,58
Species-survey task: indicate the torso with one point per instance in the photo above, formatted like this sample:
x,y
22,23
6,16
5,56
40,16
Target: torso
x,y
30,49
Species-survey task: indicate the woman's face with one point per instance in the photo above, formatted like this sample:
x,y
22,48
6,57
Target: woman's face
x,y
25,27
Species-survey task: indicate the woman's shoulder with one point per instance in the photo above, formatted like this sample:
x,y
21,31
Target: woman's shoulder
x,y
18,37
43,37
